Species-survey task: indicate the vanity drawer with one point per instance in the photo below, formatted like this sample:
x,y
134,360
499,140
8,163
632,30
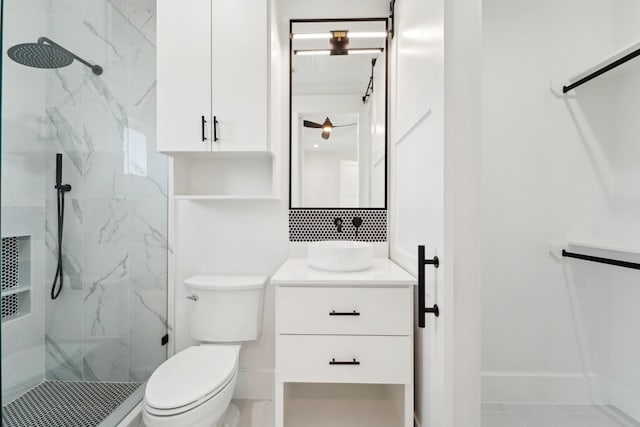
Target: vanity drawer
x,y
330,359
344,311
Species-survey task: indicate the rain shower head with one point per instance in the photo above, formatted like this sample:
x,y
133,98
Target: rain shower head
x,y
46,54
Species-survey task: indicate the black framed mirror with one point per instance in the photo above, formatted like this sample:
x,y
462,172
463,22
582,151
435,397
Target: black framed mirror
x,y
338,90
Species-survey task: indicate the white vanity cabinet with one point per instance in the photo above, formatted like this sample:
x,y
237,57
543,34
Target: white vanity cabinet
x,y
212,65
347,335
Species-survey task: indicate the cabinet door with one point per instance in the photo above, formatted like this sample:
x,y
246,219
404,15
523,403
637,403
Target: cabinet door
x,y
240,74
184,75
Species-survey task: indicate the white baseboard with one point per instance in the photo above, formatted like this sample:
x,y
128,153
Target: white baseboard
x,y
255,384
535,387
624,398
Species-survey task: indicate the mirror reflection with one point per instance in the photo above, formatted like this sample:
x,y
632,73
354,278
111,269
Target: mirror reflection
x,y
338,114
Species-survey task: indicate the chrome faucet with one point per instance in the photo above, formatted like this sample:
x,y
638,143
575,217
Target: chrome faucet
x,y
338,223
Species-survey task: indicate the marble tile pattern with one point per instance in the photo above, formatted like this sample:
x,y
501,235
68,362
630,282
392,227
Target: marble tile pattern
x,y
108,322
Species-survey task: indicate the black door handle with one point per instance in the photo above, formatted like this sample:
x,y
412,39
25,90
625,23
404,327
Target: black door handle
x,y
203,123
344,313
422,310
337,362
215,129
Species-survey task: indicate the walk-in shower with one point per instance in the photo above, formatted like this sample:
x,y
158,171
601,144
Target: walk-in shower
x,y
84,246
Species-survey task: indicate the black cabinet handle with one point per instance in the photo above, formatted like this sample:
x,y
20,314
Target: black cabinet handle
x,y
215,129
203,123
422,310
337,362
344,313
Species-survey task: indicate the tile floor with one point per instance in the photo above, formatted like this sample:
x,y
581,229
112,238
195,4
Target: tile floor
x,y
66,404
260,413
533,415
255,413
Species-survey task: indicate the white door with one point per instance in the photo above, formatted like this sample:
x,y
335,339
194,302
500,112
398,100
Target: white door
x,y
349,187
417,191
240,74
184,75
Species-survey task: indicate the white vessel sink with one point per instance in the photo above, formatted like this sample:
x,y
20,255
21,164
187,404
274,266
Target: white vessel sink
x,y
340,255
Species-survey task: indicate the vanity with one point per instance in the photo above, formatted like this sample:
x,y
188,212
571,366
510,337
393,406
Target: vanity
x,y
344,346
343,319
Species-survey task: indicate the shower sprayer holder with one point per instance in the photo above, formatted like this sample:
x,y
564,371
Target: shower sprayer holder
x,y
64,188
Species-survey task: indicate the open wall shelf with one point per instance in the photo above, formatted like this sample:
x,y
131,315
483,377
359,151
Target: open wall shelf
x,y
16,277
321,405
603,66
225,176
596,253
223,197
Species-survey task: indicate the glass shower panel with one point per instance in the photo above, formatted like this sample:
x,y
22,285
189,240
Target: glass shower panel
x,y
23,205
108,322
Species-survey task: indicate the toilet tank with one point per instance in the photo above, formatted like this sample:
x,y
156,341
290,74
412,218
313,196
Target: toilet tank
x,y
226,308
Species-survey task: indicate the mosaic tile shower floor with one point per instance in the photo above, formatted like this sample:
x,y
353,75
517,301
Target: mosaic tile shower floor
x,y
66,404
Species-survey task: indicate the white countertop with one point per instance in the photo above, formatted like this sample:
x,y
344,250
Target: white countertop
x,y
384,272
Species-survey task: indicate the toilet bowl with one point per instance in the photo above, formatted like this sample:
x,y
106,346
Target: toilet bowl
x,y
194,387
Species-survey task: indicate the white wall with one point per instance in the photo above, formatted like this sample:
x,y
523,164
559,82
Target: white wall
x,y
372,141
378,155
621,376
321,180
557,168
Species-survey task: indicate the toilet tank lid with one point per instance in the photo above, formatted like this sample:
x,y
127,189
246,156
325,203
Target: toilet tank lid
x,y
226,282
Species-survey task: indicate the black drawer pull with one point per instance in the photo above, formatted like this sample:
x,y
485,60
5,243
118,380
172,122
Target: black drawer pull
x,y
203,123
215,129
344,313
334,362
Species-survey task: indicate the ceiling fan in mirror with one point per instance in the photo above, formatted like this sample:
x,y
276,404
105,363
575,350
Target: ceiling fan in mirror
x,y
326,126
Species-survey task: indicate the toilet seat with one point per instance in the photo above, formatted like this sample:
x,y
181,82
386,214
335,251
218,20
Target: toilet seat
x,y
190,378
189,407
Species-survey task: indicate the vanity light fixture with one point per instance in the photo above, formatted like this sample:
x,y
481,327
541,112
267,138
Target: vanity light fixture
x,y
362,51
339,42
352,35
368,35
312,52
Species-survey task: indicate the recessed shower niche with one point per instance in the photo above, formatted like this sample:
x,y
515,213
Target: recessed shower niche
x,y
16,277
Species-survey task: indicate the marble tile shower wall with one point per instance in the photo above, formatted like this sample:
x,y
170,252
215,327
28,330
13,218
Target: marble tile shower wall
x,y
108,322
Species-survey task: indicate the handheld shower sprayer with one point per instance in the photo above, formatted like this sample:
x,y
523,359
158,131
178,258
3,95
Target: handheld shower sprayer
x,y
61,189
59,186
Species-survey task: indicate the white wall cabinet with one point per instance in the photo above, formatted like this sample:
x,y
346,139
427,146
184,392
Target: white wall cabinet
x,y
212,75
344,339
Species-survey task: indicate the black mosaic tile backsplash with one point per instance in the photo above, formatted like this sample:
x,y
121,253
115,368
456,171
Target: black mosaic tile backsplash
x,y
308,225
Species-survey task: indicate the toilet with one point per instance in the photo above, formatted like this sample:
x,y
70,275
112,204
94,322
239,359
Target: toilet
x,y
194,387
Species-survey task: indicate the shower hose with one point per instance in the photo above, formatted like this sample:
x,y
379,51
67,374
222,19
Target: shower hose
x,y
56,287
